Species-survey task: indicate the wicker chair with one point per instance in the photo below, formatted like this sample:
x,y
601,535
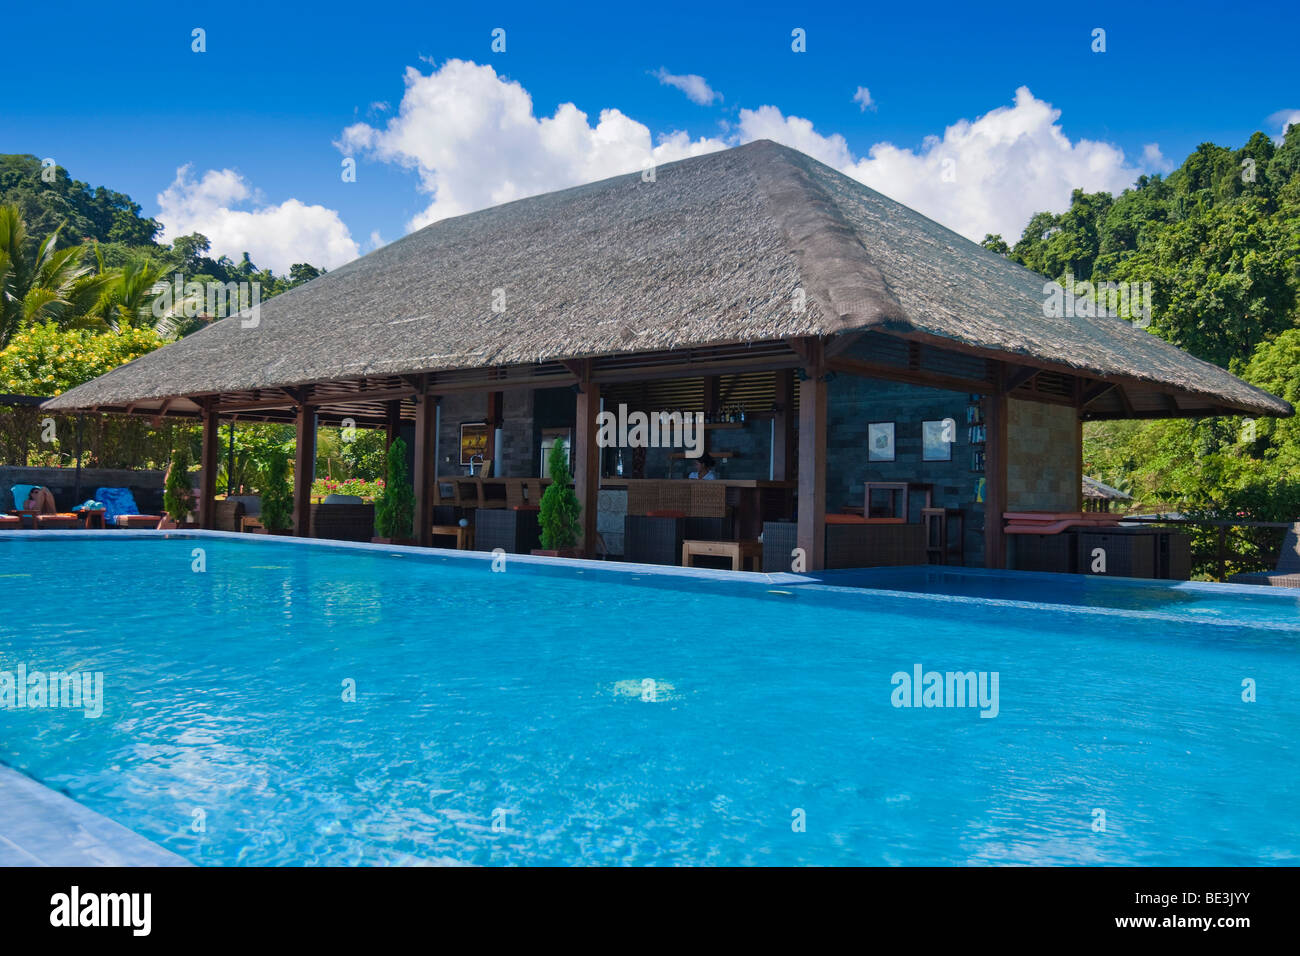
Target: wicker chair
x,y
1287,574
780,538
513,531
228,515
342,522
653,539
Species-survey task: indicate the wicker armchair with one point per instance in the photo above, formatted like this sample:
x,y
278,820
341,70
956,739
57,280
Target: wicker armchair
x,y
1287,574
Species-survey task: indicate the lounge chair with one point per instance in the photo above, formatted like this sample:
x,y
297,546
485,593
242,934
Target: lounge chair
x,y
1287,574
121,511
10,522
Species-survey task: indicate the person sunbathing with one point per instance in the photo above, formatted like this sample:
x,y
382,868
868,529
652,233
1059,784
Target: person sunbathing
x,y
41,501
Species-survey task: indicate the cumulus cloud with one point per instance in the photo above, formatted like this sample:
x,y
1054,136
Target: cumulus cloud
x,y
695,87
1154,160
474,141
985,175
275,236
1284,120
863,98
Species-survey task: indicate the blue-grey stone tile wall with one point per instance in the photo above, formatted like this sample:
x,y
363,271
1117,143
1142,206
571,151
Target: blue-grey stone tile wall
x,y
854,402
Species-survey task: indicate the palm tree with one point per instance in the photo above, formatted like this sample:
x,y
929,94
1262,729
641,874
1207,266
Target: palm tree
x,y
50,285
128,297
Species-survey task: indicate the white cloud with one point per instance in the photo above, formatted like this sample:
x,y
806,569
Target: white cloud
x,y
1283,120
863,98
695,87
987,175
275,236
473,140
1154,160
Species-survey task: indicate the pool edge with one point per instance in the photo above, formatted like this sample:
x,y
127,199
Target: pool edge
x,y
42,827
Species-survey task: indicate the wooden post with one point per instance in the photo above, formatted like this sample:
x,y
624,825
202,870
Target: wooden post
x,y
495,401
712,395
208,468
783,427
995,475
1078,477
426,407
393,422
304,461
1221,552
586,462
811,534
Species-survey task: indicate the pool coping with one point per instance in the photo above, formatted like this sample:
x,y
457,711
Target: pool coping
x,y
42,827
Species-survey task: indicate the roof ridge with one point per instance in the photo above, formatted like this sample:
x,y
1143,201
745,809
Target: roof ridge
x,y
837,270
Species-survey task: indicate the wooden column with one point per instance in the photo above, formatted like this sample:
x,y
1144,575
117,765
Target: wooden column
x,y
811,534
586,463
995,476
393,422
783,447
1078,478
495,402
426,407
304,460
712,395
208,468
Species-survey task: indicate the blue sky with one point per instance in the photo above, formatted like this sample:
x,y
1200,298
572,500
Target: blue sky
x,y
121,100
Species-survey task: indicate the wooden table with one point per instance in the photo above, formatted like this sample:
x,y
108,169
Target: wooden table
x,y
92,519
738,551
464,535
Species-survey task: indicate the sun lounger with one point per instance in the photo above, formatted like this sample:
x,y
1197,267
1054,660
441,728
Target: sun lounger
x,y
120,509
1287,574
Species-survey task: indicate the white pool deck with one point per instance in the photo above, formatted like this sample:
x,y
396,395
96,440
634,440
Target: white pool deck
x,y
41,827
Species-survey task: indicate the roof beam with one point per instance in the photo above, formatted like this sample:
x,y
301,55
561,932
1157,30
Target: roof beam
x,y
1020,376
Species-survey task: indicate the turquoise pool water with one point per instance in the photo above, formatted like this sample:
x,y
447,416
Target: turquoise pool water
x,y
505,718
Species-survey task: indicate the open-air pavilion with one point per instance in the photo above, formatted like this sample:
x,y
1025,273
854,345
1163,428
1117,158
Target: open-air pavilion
x,y
858,336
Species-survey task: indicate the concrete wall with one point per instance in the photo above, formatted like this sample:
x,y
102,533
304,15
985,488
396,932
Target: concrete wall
x,y
1043,464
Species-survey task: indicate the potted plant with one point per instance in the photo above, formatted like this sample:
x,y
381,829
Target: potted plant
x,y
395,507
277,497
178,495
560,511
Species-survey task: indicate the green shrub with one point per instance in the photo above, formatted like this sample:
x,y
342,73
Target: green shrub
x,y
277,496
395,509
178,497
559,508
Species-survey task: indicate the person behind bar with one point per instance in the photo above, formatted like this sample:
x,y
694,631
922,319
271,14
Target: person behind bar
x,y
704,467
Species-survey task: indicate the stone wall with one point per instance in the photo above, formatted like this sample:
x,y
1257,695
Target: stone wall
x,y
855,402
146,486
1043,464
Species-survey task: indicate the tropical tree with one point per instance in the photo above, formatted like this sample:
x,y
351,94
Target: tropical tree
x,y
44,284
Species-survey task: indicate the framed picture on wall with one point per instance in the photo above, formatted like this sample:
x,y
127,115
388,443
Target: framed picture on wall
x,y
936,440
880,441
473,441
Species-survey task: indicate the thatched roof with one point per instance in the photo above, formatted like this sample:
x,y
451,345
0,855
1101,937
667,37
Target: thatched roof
x,y
1092,488
711,252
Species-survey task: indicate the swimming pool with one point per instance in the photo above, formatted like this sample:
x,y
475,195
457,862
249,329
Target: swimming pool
x,y
574,713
